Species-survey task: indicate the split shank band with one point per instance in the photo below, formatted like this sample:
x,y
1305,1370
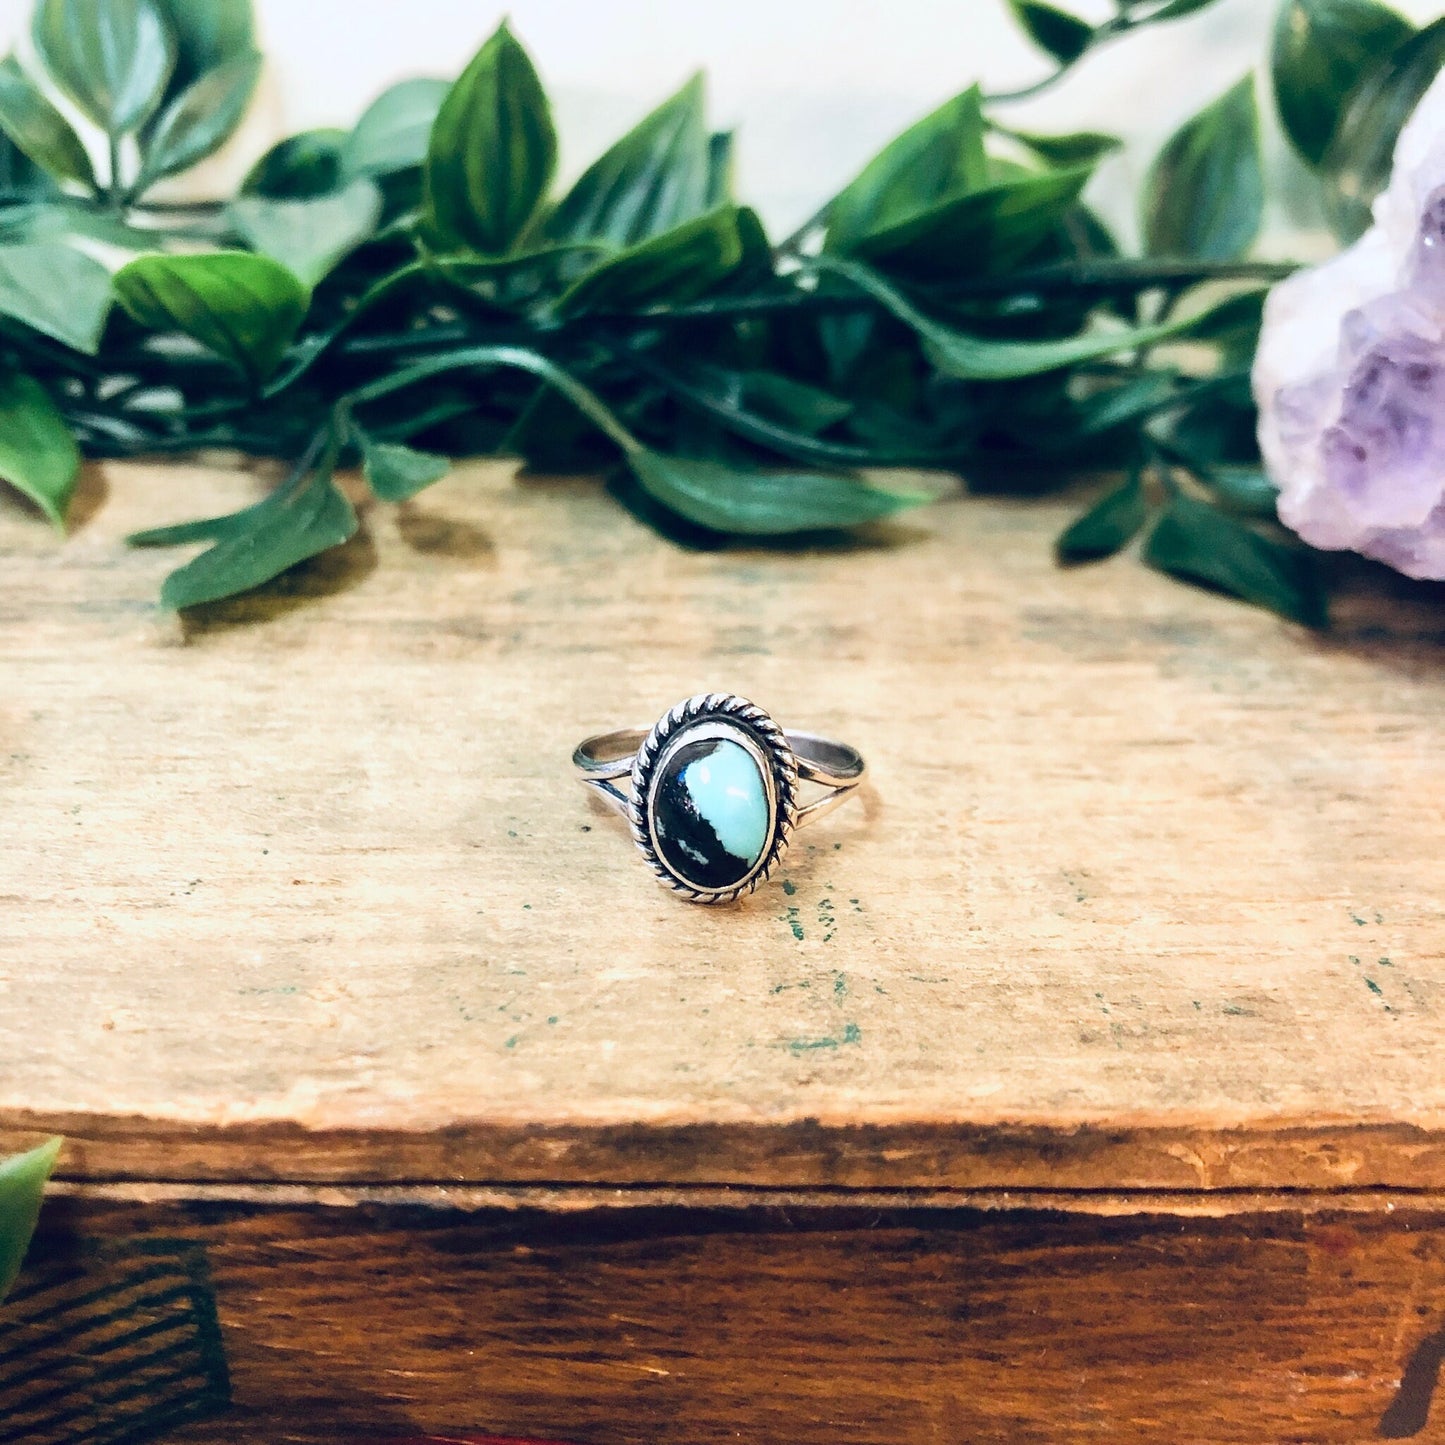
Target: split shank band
x,y
713,790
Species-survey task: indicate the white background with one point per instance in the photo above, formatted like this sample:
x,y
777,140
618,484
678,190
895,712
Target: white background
x,y
815,86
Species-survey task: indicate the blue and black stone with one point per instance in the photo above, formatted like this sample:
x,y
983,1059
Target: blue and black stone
x,y
711,818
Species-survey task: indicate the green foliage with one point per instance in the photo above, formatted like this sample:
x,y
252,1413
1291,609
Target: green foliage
x,y
1205,194
22,1183
113,60
1064,36
299,168
1322,49
58,291
492,150
38,455
207,33
396,472
744,501
1080,148
201,119
937,160
310,236
306,516
242,307
394,130
40,130
985,358
657,177
678,266
1200,544
412,288
1111,523
1356,164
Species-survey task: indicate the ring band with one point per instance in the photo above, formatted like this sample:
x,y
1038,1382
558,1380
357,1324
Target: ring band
x,y
714,791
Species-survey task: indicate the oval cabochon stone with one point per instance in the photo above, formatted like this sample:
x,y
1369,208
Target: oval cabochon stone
x,y
711,815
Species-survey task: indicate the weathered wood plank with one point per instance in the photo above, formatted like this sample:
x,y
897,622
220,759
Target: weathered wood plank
x,y
1145,895
660,1326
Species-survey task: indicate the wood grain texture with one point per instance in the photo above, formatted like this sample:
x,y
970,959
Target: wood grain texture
x,y
1145,893
841,1328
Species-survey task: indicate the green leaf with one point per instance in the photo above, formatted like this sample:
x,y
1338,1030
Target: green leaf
x,y
1204,197
244,308
482,274
807,408
653,179
396,473
1062,35
1080,148
200,119
1233,326
492,150
987,230
299,168
309,237
769,503
1243,489
1321,50
1125,404
1356,167
678,266
1111,523
58,291
1218,424
208,34
253,546
1200,544
21,180
394,130
936,160
22,1184
203,529
985,358
111,57
720,147
1178,9
38,455
40,130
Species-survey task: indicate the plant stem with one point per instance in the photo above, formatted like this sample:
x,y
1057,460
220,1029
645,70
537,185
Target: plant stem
x,y
115,193
1109,30
1121,275
182,208
799,445
790,243
589,404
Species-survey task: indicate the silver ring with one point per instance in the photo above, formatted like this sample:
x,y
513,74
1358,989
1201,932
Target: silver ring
x,y
713,791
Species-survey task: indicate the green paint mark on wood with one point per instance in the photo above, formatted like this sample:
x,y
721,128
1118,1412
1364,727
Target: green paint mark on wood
x,y
1374,988
789,887
795,922
852,1034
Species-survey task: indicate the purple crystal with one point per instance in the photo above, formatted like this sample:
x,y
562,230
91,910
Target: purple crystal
x,y
1350,377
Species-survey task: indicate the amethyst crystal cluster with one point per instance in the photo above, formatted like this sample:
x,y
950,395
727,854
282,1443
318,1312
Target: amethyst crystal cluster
x,y
1350,374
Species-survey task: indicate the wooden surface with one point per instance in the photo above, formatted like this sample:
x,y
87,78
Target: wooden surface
x,y
1146,893
666,1327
